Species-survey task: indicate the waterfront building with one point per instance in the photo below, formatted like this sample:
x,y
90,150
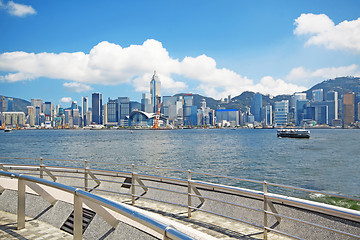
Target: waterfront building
x,y
281,112
13,118
96,108
144,119
256,107
123,110
31,115
155,91
348,109
228,115
268,115
88,118
318,95
146,103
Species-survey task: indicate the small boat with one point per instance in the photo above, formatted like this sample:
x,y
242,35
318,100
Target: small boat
x,y
293,133
7,129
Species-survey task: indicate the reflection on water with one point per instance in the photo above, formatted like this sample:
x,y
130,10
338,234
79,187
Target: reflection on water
x,y
328,161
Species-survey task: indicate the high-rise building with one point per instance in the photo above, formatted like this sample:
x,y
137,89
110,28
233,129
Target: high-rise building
x,y
37,103
84,109
31,115
123,110
112,111
318,95
333,103
97,108
76,117
348,109
3,106
230,116
268,115
188,109
155,91
281,112
256,106
10,105
48,111
146,104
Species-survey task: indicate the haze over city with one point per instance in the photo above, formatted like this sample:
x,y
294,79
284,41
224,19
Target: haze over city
x,y
59,51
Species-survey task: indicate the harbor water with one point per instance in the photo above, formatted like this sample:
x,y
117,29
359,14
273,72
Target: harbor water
x,y
328,161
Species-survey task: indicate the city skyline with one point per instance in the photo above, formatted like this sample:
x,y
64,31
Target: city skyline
x,y
212,49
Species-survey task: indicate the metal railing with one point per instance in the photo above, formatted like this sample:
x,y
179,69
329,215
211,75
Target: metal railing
x,y
194,188
94,201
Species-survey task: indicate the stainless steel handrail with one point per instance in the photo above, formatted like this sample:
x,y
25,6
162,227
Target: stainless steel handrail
x,y
261,195
164,229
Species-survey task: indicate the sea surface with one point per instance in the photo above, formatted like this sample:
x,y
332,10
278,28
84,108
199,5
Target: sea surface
x,y
329,161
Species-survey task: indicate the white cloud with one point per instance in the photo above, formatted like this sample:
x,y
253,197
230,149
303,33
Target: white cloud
x,y
310,77
322,31
111,64
66,99
18,10
77,87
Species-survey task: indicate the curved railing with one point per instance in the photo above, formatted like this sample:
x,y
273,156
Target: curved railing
x,y
195,191
79,196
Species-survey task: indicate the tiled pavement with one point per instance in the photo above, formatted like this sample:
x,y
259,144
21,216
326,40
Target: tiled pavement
x,y
34,229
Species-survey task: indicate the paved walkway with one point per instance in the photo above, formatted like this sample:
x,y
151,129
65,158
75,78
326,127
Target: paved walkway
x,y
34,229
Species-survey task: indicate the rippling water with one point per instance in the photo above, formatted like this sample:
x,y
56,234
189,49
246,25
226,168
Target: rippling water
x,y
328,161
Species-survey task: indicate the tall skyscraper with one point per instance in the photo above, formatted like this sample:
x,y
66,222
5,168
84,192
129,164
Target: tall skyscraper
x,y
123,110
256,106
146,104
37,103
96,100
155,91
84,109
268,115
112,111
348,109
281,112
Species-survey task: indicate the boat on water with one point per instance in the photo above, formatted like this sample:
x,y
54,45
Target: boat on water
x,y
7,129
293,133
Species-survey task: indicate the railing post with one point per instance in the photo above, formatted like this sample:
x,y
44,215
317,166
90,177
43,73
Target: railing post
x,y
189,193
78,215
265,209
133,184
86,180
21,205
41,167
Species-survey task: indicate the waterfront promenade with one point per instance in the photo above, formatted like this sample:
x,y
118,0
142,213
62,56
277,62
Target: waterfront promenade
x,y
201,225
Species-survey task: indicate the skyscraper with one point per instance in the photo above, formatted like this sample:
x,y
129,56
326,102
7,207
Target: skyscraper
x,y
256,106
268,115
318,95
348,109
155,91
123,110
281,112
84,108
96,108
37,103
146,104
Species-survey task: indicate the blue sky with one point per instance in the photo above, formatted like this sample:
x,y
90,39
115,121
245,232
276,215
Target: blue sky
x,y
68,49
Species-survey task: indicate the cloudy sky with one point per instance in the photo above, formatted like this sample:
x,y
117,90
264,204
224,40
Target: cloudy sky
x,y
62,50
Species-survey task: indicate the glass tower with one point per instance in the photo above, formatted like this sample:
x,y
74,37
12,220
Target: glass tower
x,y
97,108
